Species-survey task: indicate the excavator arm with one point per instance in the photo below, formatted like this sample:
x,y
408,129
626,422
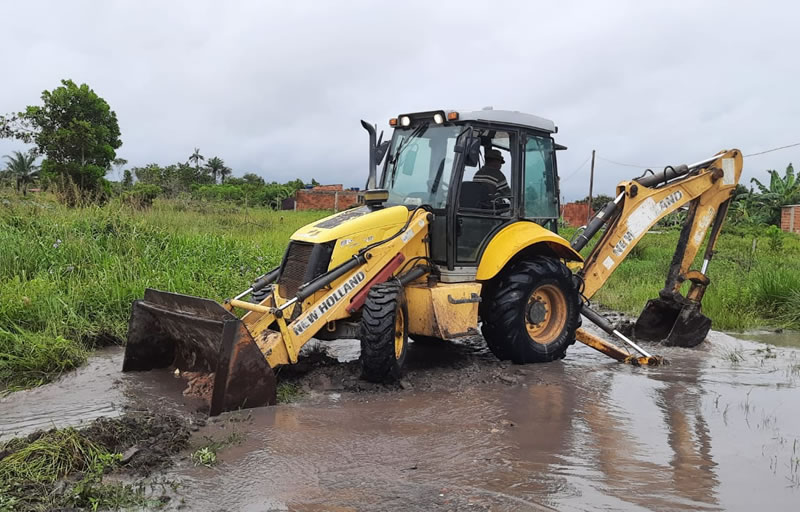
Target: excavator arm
x,y
705,188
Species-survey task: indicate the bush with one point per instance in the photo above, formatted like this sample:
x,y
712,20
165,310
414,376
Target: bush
x,y
141,195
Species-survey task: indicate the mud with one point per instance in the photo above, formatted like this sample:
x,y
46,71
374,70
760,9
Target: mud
x,y
717,429
147,441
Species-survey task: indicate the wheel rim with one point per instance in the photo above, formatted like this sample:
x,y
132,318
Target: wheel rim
x,y
545,313
399,334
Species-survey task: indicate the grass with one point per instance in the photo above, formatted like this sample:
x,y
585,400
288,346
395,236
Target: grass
x,y
68,276
749,289
288,392
206,455
28,475
65,468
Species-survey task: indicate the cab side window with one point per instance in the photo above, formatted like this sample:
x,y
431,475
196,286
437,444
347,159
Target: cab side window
x,y
487,187
539,188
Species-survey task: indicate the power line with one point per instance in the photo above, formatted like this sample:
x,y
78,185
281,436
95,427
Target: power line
x,y
627,165
573,173
773,149
659,166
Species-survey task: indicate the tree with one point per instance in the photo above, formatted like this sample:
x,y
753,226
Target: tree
x,y
76,131
782,190
598,201
196,158
127,179
215,165
21,168
787,187
253,179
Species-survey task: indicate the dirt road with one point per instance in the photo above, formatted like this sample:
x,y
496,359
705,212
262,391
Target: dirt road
x,y
718,429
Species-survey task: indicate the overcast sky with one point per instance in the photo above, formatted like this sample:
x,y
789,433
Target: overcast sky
x,y
278,88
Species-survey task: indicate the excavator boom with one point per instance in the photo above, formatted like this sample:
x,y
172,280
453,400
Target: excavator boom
x,y
705,187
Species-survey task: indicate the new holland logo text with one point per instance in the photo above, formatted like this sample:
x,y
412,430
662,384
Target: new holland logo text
x,y
641,219
329,302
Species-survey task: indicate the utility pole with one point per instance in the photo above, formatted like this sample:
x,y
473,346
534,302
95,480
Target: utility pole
x,y
591,184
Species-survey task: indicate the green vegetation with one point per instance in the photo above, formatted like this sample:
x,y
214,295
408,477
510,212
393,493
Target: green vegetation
x,y
64,468
75,130
764,206
206,455
21,169
749,288
68,276
288,392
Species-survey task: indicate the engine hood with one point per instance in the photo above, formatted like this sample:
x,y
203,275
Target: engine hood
x,y
349,223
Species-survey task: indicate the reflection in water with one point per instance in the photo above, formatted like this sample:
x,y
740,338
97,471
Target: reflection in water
x,y
585,433
580,424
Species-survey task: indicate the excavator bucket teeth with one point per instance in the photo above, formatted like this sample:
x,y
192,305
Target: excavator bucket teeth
x,y
672,323
204,341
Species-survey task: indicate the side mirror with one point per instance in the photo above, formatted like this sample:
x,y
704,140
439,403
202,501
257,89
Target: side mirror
x,y
471,147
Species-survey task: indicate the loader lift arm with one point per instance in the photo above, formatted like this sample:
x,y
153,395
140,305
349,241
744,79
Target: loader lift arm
x,y
673,318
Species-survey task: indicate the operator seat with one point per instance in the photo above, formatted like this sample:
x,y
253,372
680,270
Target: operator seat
x,y
475,195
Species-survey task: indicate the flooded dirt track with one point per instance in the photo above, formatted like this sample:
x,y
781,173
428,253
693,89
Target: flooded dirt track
x,y
717,429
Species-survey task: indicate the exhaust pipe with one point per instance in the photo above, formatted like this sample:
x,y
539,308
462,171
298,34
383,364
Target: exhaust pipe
x,y
373,164
377,150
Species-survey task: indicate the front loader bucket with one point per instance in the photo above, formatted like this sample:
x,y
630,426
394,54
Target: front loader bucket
x,y
203,340
672,323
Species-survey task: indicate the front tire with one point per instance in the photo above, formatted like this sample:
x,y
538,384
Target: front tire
x,y
533,312
384,333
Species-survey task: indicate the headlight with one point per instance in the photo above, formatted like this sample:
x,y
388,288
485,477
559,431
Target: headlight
x,y
438,118
405,121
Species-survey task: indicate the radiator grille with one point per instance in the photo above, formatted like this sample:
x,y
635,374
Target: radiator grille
x,y
294,269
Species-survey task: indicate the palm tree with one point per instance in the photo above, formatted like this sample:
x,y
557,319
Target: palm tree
x,y
215,165
21,167
197,158
225,171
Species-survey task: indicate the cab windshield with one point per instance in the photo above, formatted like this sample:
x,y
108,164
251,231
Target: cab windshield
x,y
419,165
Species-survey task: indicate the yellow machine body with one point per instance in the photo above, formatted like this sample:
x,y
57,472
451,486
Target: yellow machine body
x,y
444,310
332,265
519,236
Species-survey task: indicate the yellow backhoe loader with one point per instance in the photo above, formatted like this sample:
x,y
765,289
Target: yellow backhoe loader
x,y
457,234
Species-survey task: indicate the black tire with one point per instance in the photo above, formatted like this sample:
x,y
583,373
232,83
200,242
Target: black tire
x,y
383,346
511,308
258,295
426,340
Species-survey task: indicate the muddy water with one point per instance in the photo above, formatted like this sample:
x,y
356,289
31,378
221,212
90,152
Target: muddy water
x,y
718,429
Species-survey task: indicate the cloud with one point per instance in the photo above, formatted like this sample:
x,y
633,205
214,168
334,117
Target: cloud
x,y
278,88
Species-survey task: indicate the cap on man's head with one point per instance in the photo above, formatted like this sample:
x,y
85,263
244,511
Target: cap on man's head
x,y
494,154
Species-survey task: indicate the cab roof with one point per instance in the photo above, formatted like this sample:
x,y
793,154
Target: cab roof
x,y
511,117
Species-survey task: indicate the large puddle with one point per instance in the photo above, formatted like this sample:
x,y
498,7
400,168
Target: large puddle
x,y
717,429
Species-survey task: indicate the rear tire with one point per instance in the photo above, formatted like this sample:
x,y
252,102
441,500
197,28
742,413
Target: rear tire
x,y
533,312
384,333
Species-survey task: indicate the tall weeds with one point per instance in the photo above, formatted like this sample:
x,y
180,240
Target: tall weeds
x,y
68,276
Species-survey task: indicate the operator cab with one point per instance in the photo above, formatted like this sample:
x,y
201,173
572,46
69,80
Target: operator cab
x,y
478,171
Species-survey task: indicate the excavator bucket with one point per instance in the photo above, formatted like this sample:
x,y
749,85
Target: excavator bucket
x,y
204,342
672,323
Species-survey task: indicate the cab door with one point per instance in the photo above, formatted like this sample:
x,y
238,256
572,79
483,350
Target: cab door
x,y
481,206
540,180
